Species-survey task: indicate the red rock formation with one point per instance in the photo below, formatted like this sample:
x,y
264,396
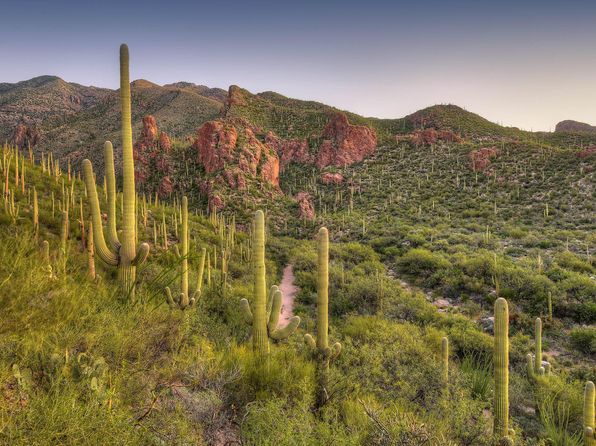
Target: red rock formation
x,y
165,187
345,143
25,135
235,96
164,142
332,178
289,150
306,209
152,163
480,159
218,148
588,151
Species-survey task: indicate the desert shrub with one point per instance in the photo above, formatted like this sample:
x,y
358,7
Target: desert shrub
x,y
573,262
422,262
579,287
584,339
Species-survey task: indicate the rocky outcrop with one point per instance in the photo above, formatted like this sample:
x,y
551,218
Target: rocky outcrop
x,y
306,209
332,178
585,153
344,143
235,96
231,150
153,167
480,159
25,135
574,127
289,150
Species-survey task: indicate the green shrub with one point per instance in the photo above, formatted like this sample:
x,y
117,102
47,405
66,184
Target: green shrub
x,y
584,339
422,262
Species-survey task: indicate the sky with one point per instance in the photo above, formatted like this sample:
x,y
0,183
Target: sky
x,y
528,64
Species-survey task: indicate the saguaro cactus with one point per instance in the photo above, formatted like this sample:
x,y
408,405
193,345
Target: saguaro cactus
x,y
91,254
501,369
122,251
589,421
323,353
185,300
35,214
538,347
445,358
264,314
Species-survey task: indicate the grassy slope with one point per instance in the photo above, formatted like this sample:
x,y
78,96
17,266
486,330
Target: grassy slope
x,y
189,378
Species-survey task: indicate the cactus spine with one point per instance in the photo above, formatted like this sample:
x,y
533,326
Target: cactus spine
x,y
501,370
589,421
123,251
320,347
264,314
445,358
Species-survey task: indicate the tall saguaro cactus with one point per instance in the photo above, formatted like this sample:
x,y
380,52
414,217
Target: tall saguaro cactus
x,y
122,251
589,421
320,347
264,314
501,370
445,358
538,346
185,300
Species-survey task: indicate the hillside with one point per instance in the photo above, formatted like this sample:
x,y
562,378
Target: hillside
x,y
436,276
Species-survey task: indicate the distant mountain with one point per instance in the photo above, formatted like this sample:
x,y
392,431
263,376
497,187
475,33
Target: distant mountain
x,y
571,126
74,120
71,119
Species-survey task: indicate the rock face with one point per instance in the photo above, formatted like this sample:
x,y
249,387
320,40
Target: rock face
x,y
306,209
153,168
574,126
289,150
480,159
231,149
344,143
25,135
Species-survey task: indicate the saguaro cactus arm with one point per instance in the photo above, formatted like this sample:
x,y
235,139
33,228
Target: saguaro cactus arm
x,y
110,177
246,311
106,254
142,254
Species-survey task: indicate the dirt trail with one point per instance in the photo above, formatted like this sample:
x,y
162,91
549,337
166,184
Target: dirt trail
x,y
288,290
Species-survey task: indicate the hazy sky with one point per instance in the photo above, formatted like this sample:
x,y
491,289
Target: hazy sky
x,y
523,63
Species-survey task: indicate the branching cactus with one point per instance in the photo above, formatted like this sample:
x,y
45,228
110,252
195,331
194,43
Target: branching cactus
x,y
320,347
589,421
501,369
122,250
184,299
264,313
